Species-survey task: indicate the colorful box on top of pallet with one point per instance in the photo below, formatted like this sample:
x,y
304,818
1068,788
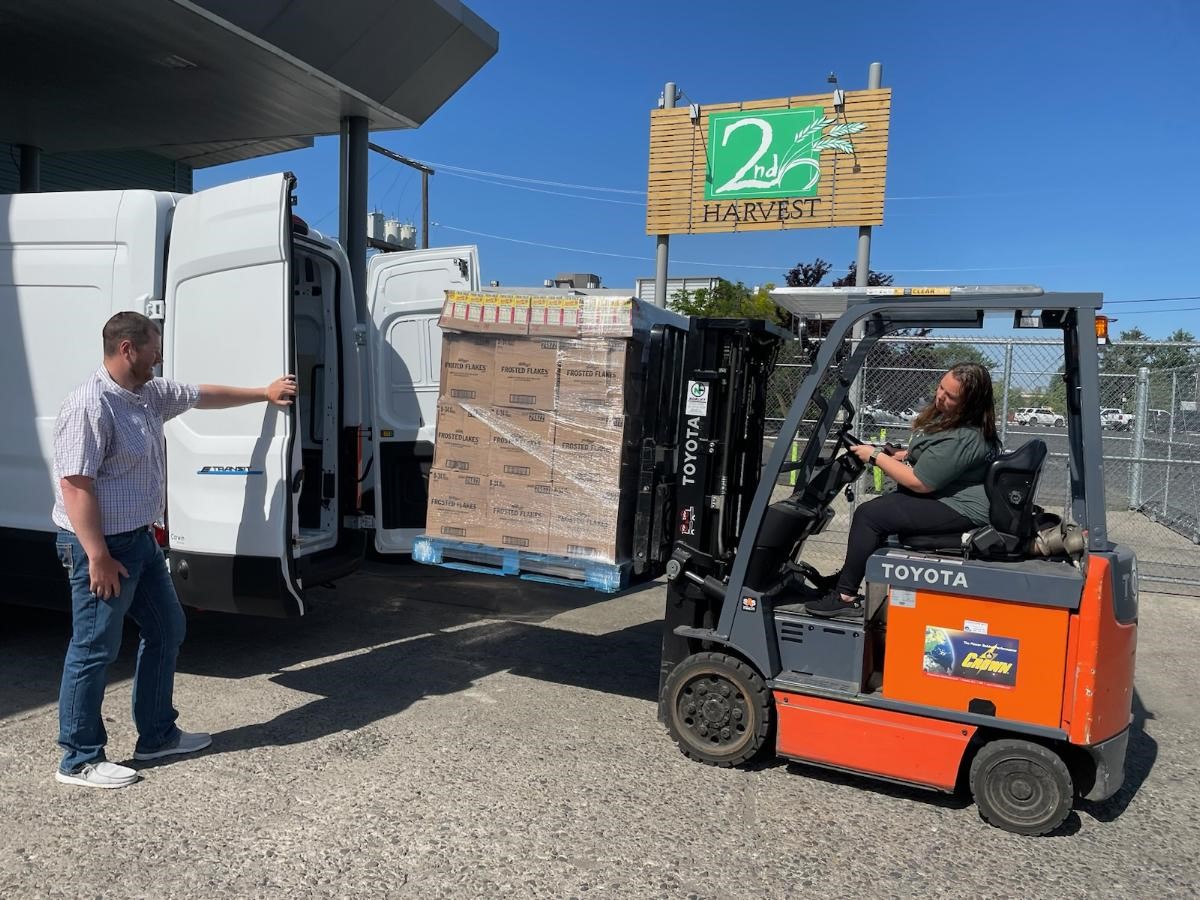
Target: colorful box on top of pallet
x,y
486,313
552,313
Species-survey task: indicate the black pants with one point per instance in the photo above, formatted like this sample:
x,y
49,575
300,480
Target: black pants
x,y
894,513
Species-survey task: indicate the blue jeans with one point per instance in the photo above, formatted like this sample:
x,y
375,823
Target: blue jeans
x,y
148,597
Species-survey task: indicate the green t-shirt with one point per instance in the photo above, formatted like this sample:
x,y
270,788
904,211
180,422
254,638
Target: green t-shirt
x,y
953,464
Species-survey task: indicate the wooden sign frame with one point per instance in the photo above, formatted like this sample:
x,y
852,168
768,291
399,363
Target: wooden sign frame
x,y
800,162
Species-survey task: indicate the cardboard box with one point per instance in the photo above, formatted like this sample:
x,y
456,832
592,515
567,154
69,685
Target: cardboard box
x,y
463,439
457,508
526,371
593,375
522,443
609,317
590,453
468,368
518,515
589,524
555,315
468,311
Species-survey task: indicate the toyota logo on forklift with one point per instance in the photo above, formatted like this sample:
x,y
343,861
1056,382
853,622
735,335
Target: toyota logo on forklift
x,y
930,575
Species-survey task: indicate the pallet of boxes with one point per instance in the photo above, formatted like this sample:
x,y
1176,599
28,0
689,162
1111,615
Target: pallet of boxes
x,y
534,473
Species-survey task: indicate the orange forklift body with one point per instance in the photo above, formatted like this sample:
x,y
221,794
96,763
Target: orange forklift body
x,y
1055,678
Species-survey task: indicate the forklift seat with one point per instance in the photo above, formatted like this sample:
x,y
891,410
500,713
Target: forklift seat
x,y
1011,485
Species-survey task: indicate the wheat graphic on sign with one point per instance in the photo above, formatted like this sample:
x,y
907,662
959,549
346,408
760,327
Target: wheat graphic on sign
x,y
811,141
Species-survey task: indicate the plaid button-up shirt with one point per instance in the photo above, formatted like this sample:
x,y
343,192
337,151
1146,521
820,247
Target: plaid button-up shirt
x,y
115,437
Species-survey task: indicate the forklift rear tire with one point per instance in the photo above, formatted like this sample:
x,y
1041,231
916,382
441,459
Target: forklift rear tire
x,y
719,710
1021,786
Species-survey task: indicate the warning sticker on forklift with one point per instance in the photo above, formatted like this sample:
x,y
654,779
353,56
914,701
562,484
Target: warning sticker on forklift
x,y
697,398
966,656
903,597
975,627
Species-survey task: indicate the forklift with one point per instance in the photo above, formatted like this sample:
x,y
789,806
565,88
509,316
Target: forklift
x,y
975,662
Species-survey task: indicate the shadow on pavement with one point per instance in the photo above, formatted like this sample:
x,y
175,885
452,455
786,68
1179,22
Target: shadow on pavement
x,y
423,631
357,690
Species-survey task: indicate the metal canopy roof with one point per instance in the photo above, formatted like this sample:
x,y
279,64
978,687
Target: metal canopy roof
x,y
214,81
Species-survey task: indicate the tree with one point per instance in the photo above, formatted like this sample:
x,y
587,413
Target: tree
x,y
1132,352
1127,354
811,275
727,300
807,274
1176,357
850,279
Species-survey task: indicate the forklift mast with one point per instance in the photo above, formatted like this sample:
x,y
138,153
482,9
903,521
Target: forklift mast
x,y
720,436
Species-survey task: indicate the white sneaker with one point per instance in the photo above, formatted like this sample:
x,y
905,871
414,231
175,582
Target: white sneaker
x,y
187,742
99,775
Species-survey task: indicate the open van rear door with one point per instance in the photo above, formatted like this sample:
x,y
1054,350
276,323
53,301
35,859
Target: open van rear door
x,y
232,474
405,292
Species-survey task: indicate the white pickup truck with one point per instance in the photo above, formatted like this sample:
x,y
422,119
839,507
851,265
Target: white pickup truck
x,y
1116,419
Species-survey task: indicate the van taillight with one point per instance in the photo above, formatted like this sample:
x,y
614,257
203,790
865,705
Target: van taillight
x,y
160,536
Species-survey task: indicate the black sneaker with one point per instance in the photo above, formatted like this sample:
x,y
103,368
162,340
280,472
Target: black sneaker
x,y
831,605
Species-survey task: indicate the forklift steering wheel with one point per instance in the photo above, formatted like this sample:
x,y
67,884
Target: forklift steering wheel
x,y
852,463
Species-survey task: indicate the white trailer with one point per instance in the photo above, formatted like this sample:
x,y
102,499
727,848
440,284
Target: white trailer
x,y
260,501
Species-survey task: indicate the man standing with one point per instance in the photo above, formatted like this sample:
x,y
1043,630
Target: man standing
x,y
110,489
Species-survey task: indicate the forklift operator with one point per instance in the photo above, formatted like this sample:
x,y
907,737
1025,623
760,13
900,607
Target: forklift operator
x,y
939,480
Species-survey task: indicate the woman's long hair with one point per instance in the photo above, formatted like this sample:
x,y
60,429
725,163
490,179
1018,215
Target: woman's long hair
x,y
976,409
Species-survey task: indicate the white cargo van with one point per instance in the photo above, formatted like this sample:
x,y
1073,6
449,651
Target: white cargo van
x,y
260,501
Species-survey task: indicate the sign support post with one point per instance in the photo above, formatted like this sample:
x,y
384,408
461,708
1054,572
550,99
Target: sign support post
x,y
863,268
664,240
862,274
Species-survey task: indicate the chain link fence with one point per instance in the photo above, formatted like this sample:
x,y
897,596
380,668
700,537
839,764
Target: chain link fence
x,y
1150,416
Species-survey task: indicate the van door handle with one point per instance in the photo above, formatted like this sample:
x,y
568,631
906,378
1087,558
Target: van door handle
x,y
297,481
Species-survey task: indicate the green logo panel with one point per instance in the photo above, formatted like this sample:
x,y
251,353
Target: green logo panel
x,y
765,153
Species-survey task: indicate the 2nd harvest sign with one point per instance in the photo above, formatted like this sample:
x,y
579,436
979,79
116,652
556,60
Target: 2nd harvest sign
x,y
797,162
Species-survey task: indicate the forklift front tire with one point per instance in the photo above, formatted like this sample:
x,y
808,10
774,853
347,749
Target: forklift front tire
x,y
719,710
1021,786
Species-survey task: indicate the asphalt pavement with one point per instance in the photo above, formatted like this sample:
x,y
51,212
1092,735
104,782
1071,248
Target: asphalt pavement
x,y
430,734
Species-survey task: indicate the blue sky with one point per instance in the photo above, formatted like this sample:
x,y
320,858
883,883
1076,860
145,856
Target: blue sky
x,y
1053,143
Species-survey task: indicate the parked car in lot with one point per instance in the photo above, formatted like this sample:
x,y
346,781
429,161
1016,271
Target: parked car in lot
x,y
1116,419
1039,415
874,415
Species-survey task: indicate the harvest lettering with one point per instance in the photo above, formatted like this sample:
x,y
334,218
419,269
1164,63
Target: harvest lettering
x,y
760,210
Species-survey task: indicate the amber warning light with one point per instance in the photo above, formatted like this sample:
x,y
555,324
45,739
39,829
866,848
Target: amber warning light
x,y
1102,331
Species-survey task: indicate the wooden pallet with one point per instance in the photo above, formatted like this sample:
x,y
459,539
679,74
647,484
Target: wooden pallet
x,y
543,567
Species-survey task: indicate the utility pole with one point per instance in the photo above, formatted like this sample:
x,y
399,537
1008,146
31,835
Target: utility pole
x,y
425,171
